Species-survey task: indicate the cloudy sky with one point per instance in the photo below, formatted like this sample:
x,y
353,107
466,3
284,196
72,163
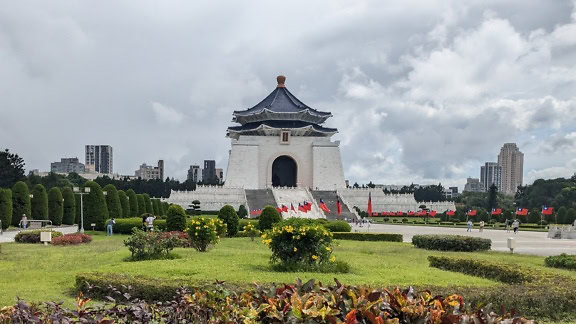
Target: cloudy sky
x,y
421,91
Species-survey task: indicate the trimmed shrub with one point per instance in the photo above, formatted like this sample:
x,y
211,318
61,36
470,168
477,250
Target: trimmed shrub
x,y
506,273
570,216
20,202
250,231
125,225
69,208
148,204
55,206
33,236
451,243
124,204
5,207
176,220
72,239
228,215
151,245
205,232
562,261
534,216
39,203
242,212
133,201
337,226
382,237
244,222
141,204
268,218
95,210
112,201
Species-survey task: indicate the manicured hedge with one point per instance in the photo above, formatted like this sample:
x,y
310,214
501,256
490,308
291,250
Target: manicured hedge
x,y
451,243
337,226
125,225
562,261
33,236
506,273
387,237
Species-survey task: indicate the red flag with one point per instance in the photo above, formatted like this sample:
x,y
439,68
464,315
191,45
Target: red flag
x,y
256,212
547,210
410,213
370,203
496,211
522,211
450,213
400,214
338,206
308,206
432,213
471,212
278,209
301,208
323,206
285,208
292,207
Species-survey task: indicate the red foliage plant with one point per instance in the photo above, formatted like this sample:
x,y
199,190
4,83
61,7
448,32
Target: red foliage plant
x,y
72,239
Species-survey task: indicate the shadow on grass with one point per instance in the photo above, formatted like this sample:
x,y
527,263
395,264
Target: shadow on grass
x,y
338,267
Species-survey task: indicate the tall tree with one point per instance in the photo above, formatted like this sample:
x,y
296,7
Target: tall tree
x,y
113,201
492,197
561,216
95,210
155,210
5,208
11,169
570,216
69,212
39,202
20,202
55,206
124,203
148,204
141,204
133,201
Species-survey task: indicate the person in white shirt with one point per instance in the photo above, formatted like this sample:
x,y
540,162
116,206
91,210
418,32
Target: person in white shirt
x,y
150,222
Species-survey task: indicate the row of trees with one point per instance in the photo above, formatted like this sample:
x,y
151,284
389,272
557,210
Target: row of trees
x,y
62,206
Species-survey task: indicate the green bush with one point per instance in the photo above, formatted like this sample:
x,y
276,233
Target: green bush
x,y
151,245
534,216
268,218
176,220
506,273
5,208
141,204
133,202
20,202
33,236
112,201
55,206
125,225
562,261
337,226
124,204
451,243
228,215
69,209
244,222
205,232
148,204
95,210
250,231
382,237
242,212
570,216
39,203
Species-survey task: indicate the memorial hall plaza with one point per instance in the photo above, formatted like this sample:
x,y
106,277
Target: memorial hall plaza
x,y
42,273
527,242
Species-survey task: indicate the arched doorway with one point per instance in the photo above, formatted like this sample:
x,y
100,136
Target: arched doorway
x,y
284,171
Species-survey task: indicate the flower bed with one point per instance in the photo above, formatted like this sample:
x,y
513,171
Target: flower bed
x,y
455,243
33,236
72,239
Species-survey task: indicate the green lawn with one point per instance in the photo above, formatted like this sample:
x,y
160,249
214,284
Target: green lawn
x,y
41,273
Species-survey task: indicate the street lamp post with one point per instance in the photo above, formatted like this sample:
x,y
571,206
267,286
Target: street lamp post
x,y
79,192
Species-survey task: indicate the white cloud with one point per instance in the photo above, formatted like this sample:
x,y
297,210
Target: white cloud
x,y
166,114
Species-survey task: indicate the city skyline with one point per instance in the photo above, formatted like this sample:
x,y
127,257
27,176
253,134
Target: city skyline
x,y
421,92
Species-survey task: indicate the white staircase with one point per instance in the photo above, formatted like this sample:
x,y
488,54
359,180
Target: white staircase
x,y
295,196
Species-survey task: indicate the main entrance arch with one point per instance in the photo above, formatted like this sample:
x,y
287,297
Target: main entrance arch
x,y
284,172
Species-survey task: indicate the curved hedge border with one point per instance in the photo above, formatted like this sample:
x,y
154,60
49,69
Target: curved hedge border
x,y
562,261
33,236
125,225
506,273
385,237
456,243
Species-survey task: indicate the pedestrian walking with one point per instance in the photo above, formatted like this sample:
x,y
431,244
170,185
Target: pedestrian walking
x,y
469,226
110,226
515,226
24,221
150,222
481,226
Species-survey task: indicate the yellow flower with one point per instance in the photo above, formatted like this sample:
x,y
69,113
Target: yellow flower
x,y
314,257
328,249
295,249
332,259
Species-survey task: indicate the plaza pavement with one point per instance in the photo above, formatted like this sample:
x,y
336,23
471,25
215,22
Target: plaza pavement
x,y
535,243
9,236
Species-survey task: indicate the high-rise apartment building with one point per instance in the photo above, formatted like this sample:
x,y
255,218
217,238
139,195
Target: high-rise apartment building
x,y
473,185
67,165
220,175
148,172
512,162
209,172
99,158
490,173
194,174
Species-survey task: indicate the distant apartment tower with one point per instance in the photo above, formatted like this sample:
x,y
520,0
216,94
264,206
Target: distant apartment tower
x,y
220,175
512,162
148,172
67,165
473,185
209,172
451,193
194,174
490,173
99,158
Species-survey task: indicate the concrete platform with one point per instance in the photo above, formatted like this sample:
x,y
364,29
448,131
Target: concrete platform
x,y
535,243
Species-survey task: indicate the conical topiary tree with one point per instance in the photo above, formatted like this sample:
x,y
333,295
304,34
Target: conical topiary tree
x,y
112,201
561,217
20,202
570,216
95,209
133,201
155,210
124,204
242,212
141,204
69,212
55,206
147,204
228,215
5,207
176,220
39,202
268,218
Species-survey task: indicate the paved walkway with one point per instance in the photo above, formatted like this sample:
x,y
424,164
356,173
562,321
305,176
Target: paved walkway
x,y
9,236
527,242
